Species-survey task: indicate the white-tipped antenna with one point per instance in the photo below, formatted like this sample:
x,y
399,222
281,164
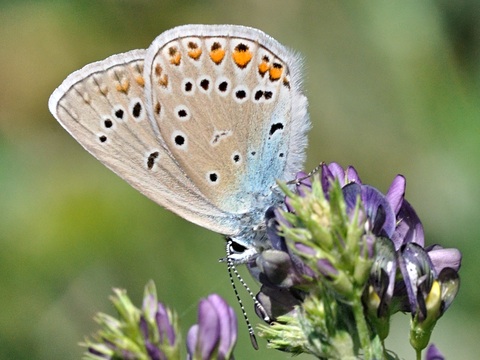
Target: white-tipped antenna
x,y
310,174
297,181
232,269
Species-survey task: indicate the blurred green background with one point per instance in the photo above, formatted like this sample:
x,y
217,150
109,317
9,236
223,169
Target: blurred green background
x,y
393,88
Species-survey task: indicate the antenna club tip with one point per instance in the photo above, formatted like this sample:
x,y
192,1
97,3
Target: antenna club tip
x,y
253,340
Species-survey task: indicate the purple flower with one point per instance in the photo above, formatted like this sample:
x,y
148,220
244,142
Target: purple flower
x,y
392,230
278,275
433,353
334,171
279,271
378,212
146,333
444,258
421,269
303,183
381,209
418,275
163,333
382,279
429,292
392,217
215,334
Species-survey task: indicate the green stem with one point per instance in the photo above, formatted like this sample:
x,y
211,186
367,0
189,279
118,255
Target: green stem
x,y
362,327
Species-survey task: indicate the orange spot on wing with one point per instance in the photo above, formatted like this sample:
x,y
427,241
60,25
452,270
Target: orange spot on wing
x,y
195,53
123,86
193,50
162,78
140,80
163,81
275,72
176,58
217,56
217,53
263,67
242,55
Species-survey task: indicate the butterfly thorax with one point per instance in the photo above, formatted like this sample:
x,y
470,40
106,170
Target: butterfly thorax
x,y
252,239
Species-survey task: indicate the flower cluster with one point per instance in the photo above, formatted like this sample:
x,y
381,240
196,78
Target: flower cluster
x,y
152,332
345,258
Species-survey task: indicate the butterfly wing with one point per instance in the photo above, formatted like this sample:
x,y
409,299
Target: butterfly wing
x,y
226,101
103,107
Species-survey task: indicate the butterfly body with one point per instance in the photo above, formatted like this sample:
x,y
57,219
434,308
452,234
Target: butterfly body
x,y
203,122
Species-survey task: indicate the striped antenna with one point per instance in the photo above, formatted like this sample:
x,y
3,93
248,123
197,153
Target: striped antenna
x,y
233,270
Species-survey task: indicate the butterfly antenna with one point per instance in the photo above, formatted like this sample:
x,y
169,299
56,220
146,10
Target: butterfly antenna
x,y
251,332
233,270
310,174
315,170
297,181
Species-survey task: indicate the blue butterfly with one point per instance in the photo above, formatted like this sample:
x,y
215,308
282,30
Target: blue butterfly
x,y
203,122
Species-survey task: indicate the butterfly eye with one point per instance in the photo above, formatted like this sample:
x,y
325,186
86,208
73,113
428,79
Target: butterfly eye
x,y
236,248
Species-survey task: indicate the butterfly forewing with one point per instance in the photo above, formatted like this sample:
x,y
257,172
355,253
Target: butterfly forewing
x,y
103,106
222,102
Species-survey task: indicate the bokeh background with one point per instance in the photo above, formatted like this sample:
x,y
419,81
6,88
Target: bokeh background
x,y
393,88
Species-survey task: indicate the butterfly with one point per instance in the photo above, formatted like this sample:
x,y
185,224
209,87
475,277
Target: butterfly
x,y
203,122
